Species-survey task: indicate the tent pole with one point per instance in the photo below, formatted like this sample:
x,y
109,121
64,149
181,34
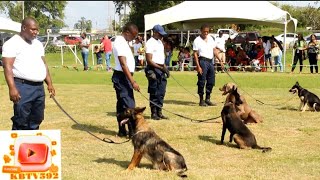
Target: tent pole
x,y
181,37
285,45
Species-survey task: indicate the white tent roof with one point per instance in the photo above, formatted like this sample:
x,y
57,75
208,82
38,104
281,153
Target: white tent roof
x,y
7,25
192,14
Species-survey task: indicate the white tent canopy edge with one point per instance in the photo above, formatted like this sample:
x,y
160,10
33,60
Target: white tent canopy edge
x,y
191,14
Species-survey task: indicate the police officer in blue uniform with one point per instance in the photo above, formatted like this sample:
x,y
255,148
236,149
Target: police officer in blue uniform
x,y
156,72
204,48
122,77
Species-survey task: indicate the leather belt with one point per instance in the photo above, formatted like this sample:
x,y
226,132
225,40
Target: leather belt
x,y
120,72
32,83
204,58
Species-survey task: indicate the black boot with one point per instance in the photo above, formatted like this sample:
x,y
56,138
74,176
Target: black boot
x,y
208,102
161,115
122,129
202,103
154,114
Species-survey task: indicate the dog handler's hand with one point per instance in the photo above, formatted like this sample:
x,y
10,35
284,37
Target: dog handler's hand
x,y
199,70
51,90
14,95
135,86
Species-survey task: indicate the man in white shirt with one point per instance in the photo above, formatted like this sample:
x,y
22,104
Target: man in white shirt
x,y
84,45
137,44
204,48
222,50
25,69
267,55
122,77
156,72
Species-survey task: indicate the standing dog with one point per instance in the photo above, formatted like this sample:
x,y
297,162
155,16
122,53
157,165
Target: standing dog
x,y
242,136
247,114
307,98
148,144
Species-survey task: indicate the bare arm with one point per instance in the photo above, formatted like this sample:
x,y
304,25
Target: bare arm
x,y
196,60
216,54
8,73
126,71
48,79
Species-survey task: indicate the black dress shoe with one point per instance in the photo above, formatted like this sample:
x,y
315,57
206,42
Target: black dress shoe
x,y
202,103
209,103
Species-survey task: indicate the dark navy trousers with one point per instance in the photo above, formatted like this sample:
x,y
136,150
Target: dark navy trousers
x,y
29,111
124,91
207,79
157,87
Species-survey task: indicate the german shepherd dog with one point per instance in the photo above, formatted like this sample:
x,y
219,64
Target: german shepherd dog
x,y
247,114
241,134
307,98
148,144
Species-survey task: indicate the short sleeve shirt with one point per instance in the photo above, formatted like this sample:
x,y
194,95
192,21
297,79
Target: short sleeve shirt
x,y
205,49
156,48
85,42
28,63
121,48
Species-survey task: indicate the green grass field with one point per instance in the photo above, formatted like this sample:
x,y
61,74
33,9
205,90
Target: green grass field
x,y
90,99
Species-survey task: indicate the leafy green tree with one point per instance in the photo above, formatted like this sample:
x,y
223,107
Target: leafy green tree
x,y
140,8
84,25
49,14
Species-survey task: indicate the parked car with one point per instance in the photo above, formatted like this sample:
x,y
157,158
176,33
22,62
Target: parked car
x,y
289,37
53,40
241,37
72,40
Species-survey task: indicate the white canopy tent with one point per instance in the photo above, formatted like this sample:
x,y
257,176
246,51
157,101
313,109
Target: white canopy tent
x,y
7,25
192,14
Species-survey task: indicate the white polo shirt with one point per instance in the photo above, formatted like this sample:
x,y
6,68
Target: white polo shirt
x,y
28,63
121,48
267,47
220,41
156,48
205,49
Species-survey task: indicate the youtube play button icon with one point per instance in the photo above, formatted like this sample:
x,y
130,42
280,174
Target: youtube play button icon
x,y
32,153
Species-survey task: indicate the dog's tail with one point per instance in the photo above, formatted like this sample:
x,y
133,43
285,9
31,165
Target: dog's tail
x,y
316,107
264,149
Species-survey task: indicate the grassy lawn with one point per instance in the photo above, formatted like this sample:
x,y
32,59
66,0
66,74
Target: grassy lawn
x,y
90,99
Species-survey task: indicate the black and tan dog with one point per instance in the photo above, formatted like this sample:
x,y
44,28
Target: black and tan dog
x,y
148,144
247,114
241,134
307,98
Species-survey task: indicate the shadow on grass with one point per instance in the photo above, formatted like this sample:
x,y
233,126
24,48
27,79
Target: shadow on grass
x,y
214,141
288,108
93,129
186,103
123,164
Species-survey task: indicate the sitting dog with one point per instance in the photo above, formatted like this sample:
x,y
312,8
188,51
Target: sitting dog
x,y
307,98
243,137
148,144
247,114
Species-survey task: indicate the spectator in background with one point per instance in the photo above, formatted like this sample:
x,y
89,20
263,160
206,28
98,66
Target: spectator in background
x,y
267,56
230,44
98,51
168,46
84,45
231,58
260,57
136,45
107,48
313,50
222,51
141,56
299,46
275,54
246,46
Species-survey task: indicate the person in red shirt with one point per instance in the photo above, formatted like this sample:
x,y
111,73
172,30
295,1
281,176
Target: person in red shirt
x,y
107,48
260,57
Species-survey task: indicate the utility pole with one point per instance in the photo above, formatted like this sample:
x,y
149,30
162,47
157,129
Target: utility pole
x,y
22,10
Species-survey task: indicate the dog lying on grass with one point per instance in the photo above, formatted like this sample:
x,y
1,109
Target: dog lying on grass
x,y
148,144
241,134
307,98
247,114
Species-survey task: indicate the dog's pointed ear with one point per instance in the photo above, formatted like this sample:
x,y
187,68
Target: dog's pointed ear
x,y
297,83
140,109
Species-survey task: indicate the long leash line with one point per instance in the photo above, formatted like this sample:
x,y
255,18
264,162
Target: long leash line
x,y
192,120
107,140
258,101
182,86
